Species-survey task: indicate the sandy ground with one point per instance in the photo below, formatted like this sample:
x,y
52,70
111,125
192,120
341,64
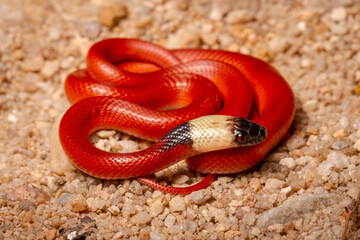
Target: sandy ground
x,y
307,188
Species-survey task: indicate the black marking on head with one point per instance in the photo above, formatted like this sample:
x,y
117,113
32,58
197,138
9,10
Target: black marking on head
x,y
178,136
246,132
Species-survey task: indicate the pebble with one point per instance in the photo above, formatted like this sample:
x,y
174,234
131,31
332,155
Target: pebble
x,y
49,68
30,80
310,105
154,235
114,210
90,30
339,133
177,204
273,184
110,16
357,145
180,179
338,145
169,221
296,141
184,38
289,162
239,16
78,203
157,207
33,64
298,207
338,14
200,197
255,184
142,218
278,45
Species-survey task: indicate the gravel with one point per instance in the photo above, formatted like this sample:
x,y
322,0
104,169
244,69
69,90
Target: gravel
x,y
305,189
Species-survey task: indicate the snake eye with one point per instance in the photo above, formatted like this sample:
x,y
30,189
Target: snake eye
x,y
241,136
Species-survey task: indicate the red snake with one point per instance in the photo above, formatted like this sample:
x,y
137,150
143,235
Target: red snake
x,y
145,90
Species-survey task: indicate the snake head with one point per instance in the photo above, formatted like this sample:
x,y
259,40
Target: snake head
x,y
216,132
246,132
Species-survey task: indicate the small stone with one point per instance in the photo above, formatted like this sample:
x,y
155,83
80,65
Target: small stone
x,y
27,205
276,228
255,184
12,118
357,145
338,14
114,210
340,133
154,235
184,37
50,234
278,45
273,184
338,145
298,207
128,146
30,82
49,68
135,187
180,179
286,190
200,197
169,221
64,198
310,105
78,203
33,64
90,30
305,63
110,16
296,141
249,216
216,13
54,33
177,204
142,218
239,16
289,162
157,207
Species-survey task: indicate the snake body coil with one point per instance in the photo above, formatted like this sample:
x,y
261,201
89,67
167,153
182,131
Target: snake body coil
x,y
135,81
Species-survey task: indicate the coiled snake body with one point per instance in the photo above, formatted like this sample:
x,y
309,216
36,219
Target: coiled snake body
x,y
145,90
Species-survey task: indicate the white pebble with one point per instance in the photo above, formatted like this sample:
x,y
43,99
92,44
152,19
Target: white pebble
x,y
238,16
273,184
286,190
142,218
278,45
310,105
157,207
255,184
169,221
33,64
105,133
12,118
157,236
338,14
50,68
180,179
200,197
177,204
114,210
289,162
357,145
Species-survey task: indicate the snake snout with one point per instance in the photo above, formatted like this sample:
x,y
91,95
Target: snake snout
x,y
248,133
